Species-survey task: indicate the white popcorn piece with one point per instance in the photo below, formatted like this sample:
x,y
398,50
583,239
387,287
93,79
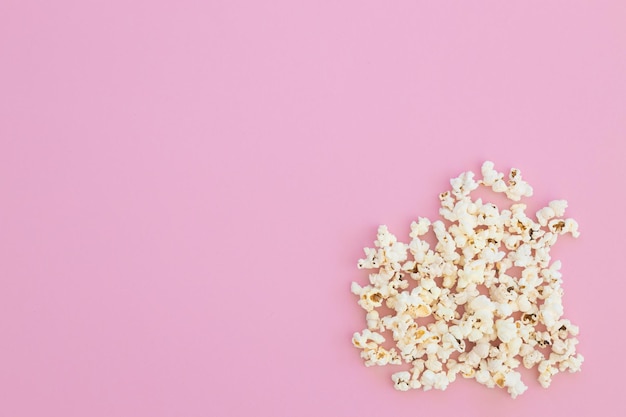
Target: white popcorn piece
x,y
517,188
546,371
441,381
464,282
464,184
481,302
492,178
483,377
558,206
447,201
490,175
500,186
506,329
384,238
472,273
433,364
533,358
504,309
428,379
419,249
370,297
523,303
475,335
571,226
514,384
512,242
513,347
401,380
373,320
371,259
571,364
522,256
380,357
367,339
420,227
551,309
545,214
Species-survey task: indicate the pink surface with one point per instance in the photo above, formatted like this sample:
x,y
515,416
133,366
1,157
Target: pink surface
x,y
187,186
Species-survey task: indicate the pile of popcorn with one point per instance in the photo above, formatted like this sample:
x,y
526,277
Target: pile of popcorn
x,y
485,300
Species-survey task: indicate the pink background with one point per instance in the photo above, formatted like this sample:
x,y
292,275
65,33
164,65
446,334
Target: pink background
x,y
186,187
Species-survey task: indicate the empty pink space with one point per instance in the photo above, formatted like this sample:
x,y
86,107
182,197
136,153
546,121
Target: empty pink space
x,y
186,187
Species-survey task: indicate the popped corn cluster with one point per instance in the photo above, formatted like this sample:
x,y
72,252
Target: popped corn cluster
x,y
485,300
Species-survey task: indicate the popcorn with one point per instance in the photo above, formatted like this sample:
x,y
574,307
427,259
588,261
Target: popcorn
x,y
545,214
533,358
546,372
523,303
428,379
489,319
517,188
514,384
420,227
367,339
373,320
506,329
401,380
463,184
558,206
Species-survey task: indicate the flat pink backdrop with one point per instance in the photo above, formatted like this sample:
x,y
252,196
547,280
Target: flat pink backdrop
x,y
186,187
